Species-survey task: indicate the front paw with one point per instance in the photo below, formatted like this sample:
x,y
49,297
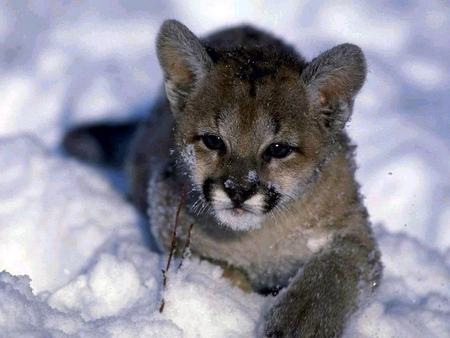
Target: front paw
x,y
305,316
277,324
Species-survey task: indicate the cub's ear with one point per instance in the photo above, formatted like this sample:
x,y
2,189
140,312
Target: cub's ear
x,y
333,79
183,60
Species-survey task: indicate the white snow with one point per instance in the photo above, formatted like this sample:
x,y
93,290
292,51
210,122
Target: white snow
x,y
74,258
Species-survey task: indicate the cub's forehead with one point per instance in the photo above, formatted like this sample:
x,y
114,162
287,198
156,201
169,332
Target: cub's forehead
x,y
229,106
259,100
246,129
256,86
247,120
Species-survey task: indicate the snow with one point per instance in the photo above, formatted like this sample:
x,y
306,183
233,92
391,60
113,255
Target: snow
x,y
73,251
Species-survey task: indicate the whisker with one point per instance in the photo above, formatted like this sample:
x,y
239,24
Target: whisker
x,y
275,219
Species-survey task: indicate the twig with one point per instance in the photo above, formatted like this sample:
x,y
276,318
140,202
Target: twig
x,y
172,246
186,246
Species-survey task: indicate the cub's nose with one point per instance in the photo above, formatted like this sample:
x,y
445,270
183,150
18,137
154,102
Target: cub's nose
x,y
238,193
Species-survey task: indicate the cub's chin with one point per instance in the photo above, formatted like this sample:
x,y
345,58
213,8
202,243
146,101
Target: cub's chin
x,y
245,216
238,219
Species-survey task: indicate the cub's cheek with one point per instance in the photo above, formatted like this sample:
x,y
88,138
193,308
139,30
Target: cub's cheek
x,y
198,175
196,163
205,168
294,179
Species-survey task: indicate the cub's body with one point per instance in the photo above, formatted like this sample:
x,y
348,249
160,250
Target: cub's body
x,y
255,135
272,254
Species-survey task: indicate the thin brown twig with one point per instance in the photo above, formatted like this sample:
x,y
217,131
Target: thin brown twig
x,y
186,246
172,246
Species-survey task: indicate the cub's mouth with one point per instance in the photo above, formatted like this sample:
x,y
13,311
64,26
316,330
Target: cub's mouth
x,y
239,206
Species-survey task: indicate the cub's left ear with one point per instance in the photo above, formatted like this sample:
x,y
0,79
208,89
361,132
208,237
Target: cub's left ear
x,y
333,79
184,61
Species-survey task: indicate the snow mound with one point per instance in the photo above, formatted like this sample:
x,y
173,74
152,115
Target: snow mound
x,y
54,213
89,273
414,297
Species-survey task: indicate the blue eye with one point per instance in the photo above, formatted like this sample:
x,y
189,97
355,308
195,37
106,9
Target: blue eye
x,y
278,150
213,142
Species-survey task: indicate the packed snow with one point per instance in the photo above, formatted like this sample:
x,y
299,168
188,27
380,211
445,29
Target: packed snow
x,y
75,254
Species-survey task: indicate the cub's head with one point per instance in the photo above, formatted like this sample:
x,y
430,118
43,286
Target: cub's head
x,y
254,126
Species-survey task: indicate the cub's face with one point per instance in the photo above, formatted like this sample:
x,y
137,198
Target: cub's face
x,y
254,125
248,149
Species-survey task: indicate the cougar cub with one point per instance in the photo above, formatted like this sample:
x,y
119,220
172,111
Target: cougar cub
x,y
255,134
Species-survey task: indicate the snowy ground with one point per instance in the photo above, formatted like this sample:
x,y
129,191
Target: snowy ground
x,y
64,225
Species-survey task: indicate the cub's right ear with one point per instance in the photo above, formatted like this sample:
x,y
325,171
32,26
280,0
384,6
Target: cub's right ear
x,y
184,61
333,79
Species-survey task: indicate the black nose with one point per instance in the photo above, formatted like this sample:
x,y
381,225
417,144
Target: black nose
x,y
238,193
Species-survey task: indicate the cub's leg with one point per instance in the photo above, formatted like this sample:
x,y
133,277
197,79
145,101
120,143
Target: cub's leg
x,y
321,297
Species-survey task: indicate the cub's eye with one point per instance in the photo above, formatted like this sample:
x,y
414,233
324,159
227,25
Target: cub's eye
x,y
278,150
213,142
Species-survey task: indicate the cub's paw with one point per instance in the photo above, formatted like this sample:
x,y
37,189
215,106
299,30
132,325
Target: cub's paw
x,y
281,322
303,317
